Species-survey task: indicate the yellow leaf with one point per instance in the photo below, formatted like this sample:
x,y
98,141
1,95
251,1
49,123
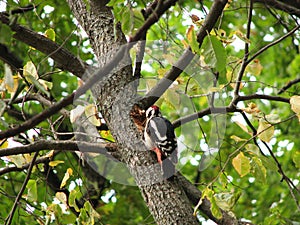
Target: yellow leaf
x,y
55,163
161,72
18,160
14,87
254,67
244,128
27,158
237,139
231,76
216,89
185,44
242,36
189,33
46,84
265,131
68,173
251,109
61,196
3,144
92,114
295,103
241,164
50,154
29,69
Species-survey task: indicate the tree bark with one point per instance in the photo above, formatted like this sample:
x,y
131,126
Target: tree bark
x,y
116,95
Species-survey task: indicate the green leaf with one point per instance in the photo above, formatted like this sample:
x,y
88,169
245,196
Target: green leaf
x,y
296,159
113,3
258,170
214,54
50,33
293,67
127,20
241,164
268,163
209,194
31,191
88,215
72,200
227,200
31,79
138,19
252,149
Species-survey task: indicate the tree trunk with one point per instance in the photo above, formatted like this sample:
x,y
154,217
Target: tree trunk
x,y
116,95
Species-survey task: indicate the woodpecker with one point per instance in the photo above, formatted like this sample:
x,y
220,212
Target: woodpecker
x,y
159,137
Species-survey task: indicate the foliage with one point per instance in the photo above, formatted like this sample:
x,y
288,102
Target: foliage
x,y
255,173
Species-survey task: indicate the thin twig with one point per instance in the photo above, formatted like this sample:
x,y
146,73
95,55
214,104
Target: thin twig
x,y
9,169
254,131
204,112
246,54
272,44
288,85
11,214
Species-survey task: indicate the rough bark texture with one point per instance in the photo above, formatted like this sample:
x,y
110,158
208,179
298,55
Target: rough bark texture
x,y
116,95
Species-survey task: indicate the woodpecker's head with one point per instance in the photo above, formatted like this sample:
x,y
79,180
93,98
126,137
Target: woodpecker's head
x,y
152,111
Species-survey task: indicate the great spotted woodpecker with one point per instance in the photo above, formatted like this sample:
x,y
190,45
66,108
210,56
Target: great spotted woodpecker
x,y
159,137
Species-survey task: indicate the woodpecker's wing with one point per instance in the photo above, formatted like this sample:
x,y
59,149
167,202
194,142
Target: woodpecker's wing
x,y
161,132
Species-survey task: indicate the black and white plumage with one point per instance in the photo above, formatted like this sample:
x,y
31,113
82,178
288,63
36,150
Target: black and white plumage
x,y
159,137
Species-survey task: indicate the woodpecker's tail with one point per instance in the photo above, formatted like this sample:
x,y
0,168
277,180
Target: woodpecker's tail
x,y
168,168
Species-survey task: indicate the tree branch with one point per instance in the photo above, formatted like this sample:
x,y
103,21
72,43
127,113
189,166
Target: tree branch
x,y
260,96
292,8
204,112
102,148
227,109
65,59
10,58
